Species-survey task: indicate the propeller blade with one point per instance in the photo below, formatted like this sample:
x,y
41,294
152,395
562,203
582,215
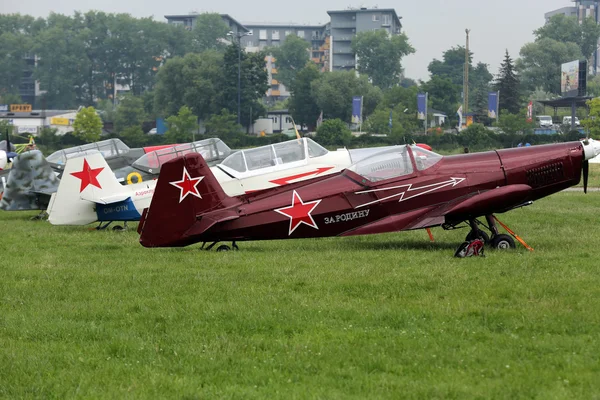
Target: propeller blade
x,y
586,172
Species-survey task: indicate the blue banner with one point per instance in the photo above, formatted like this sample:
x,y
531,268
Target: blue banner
x,y
493,105
422,106
357,109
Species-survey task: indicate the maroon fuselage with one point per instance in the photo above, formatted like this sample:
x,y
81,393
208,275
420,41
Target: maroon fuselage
x,y
455,189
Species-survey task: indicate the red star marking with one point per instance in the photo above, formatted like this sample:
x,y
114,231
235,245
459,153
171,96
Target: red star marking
x,y
299,213
187,185
88,176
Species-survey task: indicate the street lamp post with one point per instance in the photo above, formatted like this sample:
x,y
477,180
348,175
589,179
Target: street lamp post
x,y
239,35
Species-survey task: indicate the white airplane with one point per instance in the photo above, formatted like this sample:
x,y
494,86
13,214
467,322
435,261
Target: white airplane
x,y
89,192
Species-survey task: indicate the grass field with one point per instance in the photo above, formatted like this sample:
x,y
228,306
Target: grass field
x,y
94,315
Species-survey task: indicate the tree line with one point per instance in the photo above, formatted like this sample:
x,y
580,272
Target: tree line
x,y
191,75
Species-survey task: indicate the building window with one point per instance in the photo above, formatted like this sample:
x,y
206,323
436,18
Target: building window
x,y
275,35
301,34
375,17
287,33
288,120
387,19
275,119
251,32
262,34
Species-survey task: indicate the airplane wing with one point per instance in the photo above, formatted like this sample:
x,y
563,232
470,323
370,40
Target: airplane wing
x,y
473,205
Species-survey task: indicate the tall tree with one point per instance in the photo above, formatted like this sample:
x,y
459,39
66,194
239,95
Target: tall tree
x,y
444,95
380,56
568,30
302,104
452,67
539,65
13,48
291,56
209,33
194,80
130,112
507,83
334,91
253,83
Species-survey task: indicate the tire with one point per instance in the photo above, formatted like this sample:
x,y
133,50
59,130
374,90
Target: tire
x,y
117,228
223,247
503,242
480,235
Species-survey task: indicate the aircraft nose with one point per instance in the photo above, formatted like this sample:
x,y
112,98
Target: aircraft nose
x,y
591,148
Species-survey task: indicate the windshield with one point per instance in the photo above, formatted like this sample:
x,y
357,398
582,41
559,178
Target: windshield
x,y
424,158
545,118
270,155
108,148
385,165
211,150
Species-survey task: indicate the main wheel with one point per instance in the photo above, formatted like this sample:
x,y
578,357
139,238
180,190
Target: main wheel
x,y
117,228
503,242
223,247
478,235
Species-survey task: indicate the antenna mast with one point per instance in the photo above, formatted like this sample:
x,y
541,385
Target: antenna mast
x,y
466,85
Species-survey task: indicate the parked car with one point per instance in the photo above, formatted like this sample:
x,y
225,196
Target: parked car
x,y
544,121
567,121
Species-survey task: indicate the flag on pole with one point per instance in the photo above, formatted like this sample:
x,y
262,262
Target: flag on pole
x,y
320,119
493,101
530,112
460,118
357,109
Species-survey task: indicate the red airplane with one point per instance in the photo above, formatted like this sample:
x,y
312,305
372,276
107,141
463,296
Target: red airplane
x,y
403,188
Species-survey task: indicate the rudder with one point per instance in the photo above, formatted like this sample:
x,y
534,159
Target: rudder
x,y
85,181
186,188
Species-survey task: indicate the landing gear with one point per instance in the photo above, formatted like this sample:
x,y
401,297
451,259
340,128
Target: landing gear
x,y
119,227
503,242
222,247
497,240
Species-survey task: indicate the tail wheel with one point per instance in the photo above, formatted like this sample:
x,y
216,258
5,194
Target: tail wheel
x,y
223,247
503,242
479,234
117,228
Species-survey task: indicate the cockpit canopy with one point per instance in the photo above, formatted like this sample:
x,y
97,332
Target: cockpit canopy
x,y
261,159
211,150
394,163
108,148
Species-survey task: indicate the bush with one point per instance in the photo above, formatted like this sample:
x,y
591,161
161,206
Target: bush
x,y
334,132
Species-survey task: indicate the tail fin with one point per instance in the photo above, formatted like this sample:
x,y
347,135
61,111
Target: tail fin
x,y
29,184
186,188
86,180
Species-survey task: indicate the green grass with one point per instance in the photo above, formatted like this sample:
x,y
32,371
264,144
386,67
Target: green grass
x,y
94,315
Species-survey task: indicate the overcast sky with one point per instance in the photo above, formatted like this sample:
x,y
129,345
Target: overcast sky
x,y
431,25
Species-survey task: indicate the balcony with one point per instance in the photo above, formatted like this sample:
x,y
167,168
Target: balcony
x,y
343,25
274,82
342,51
344,64
275,93
273,71
316,60
344,38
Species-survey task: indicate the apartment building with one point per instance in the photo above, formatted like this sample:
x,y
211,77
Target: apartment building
x,y
329,44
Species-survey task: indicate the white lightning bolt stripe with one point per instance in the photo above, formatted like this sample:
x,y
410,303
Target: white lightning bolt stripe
x,y
434,187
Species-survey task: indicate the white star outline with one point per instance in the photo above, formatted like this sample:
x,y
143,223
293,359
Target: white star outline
x,y
313,225
194,192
